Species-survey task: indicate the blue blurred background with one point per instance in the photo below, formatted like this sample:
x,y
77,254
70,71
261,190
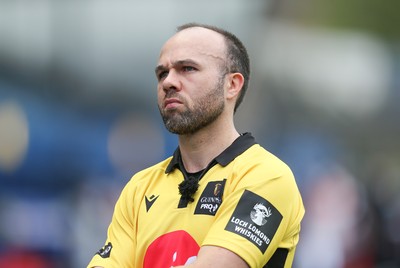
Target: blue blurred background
x,y
78,117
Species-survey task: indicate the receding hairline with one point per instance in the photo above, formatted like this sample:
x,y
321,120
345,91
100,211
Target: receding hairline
x,y
200,25
221,33
205,30
222,47
208,28
179,29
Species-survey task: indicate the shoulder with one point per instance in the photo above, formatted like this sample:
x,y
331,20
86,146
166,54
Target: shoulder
x,y
258,159
266,175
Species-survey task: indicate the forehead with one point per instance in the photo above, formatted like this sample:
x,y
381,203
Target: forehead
x,y
194,43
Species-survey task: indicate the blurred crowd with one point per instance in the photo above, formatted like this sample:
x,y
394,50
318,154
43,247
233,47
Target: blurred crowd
x,y
78,118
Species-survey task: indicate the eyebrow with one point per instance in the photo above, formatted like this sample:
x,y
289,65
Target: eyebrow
x,y
161,67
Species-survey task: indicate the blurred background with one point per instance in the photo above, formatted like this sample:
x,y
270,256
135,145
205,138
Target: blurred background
x,y
78,118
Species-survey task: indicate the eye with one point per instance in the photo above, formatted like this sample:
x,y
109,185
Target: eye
x,y
162,75
188,68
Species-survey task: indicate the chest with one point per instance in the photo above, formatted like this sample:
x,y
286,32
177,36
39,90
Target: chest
x,y
159,211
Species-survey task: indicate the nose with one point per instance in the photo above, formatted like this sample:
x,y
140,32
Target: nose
x,y
171,81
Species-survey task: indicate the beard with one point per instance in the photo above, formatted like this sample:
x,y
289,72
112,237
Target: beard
x,y
204,112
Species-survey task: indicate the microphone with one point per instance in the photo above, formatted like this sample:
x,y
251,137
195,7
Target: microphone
x,y
188,187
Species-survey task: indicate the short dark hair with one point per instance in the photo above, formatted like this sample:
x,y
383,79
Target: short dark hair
x,y
237,57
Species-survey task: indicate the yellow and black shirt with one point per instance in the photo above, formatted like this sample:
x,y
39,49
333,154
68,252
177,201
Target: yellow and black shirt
x,y
247,201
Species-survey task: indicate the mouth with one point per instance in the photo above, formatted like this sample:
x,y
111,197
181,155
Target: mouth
x,y
172,103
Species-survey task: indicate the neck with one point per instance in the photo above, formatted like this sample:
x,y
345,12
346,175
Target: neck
x,y
200,148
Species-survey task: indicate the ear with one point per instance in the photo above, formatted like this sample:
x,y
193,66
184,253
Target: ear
x,y
235,84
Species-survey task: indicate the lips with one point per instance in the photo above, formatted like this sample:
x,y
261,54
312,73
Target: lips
x,y
171,103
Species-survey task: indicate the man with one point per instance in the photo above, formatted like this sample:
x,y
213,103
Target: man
x,y
221,200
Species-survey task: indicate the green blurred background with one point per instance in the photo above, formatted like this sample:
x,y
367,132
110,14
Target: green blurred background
x,y
78,118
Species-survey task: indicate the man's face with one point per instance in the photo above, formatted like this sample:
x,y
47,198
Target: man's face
x,y
191,80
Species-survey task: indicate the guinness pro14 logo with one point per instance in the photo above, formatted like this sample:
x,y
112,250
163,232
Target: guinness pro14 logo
x,y
211,198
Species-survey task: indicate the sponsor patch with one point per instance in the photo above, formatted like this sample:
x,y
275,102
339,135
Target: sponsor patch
x,y
255,219
105,251
211,198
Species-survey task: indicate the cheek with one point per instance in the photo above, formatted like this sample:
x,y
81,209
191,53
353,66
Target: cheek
x,y
160,99
160,92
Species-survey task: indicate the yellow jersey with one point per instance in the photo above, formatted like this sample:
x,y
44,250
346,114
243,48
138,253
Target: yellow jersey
x,y
247,202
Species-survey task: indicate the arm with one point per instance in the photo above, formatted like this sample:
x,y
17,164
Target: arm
x,y
214,257
119,246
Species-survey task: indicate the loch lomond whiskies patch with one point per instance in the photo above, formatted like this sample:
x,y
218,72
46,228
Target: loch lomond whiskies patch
x,y
255,219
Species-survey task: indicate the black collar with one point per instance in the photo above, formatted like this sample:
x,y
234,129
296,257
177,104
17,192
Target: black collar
x,y
241,144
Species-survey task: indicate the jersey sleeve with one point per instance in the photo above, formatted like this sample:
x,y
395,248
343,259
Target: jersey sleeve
x,y
260,213
119,248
